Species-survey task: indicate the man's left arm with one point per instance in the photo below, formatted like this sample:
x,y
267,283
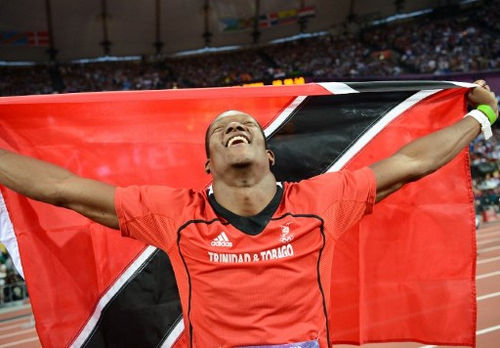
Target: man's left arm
x,y
427,154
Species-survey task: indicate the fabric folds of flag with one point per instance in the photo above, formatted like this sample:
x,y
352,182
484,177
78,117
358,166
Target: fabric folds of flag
x,y
402,270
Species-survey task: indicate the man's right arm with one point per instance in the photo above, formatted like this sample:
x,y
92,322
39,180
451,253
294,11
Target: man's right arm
x,y
52,184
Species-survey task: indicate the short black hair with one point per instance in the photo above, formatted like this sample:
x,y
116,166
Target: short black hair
x,y
207,150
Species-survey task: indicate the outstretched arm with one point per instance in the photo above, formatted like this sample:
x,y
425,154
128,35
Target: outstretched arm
x,y
427,154
49,183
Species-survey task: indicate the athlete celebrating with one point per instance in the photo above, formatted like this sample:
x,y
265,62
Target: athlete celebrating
x,y
249,253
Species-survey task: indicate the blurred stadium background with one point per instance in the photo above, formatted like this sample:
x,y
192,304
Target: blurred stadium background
x,y
56,46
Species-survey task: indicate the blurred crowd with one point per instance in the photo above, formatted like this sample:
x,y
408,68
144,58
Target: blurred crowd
x,y
332,58
12,287
485,167
222,69
25,80
488,14
114,76
431,44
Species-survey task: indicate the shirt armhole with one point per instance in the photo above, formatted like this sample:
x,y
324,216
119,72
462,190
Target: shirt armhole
x,y
366,176
122,221
372,193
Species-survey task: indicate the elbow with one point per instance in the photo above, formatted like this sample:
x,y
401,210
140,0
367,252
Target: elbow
x,y
55,195
421,169
52,197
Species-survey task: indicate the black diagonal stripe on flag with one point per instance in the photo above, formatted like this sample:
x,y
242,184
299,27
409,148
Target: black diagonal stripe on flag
x,y
143,311
323,127
395,86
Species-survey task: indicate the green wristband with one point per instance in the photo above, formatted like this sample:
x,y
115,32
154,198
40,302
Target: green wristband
x,y
488,111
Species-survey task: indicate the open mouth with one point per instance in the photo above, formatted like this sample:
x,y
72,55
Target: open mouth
x,y
236,140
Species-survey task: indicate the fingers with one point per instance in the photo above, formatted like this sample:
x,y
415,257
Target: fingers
x,y
482,83
482,94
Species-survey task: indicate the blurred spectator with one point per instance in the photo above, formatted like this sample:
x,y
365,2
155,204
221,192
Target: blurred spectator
x,y
3,275
12,286
485,166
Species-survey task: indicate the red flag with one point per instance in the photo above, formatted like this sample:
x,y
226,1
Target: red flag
x,y
38,38
409,265
309,11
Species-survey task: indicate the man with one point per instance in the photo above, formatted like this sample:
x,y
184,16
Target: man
x,y
249,254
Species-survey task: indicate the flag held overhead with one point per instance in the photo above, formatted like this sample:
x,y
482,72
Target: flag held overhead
x,y
88,287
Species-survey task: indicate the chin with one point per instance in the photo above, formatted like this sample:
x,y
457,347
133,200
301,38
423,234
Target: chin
x,y
239,160
241,164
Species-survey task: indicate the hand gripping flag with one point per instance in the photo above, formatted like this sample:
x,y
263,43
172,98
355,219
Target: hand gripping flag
x,y
406,272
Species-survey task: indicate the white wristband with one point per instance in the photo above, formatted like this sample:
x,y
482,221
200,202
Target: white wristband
x,y
483,121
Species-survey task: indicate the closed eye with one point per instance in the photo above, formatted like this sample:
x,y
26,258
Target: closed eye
x,y
216,129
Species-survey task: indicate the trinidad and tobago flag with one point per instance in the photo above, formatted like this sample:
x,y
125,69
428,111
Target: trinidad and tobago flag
x,y
407,273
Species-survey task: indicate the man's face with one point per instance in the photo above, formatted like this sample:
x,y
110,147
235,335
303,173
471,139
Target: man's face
x,y
235,140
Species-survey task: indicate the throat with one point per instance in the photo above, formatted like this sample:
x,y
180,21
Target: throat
x,y
250,205
249,202
245,198
252,222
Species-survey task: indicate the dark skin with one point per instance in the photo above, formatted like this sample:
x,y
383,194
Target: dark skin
x,y
242,180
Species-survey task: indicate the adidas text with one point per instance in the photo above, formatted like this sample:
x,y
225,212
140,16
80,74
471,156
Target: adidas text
x,y
221,241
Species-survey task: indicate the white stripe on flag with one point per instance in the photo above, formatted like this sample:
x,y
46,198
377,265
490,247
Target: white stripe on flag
x,y
463,84
8,236
174,335
104,300
337,87
278,121
377,128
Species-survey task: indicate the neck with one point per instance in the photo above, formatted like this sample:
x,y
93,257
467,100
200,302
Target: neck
x,y
245,195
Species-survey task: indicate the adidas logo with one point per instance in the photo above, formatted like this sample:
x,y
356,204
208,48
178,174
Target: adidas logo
x,y
222,241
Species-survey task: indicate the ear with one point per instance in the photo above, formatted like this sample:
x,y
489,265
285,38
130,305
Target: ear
x,y
207,166
270,156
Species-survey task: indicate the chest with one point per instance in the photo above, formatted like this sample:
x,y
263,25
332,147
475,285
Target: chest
x,y
216,245
257,284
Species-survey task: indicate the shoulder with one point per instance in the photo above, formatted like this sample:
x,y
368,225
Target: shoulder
x,y
324,189
340,179
158,199
158,191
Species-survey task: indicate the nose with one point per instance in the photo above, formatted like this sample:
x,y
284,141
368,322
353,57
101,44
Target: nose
x,y
235,126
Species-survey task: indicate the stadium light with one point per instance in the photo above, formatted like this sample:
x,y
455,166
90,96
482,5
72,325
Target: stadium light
x,y
298,36
402,16
106,59
5,63
206,50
